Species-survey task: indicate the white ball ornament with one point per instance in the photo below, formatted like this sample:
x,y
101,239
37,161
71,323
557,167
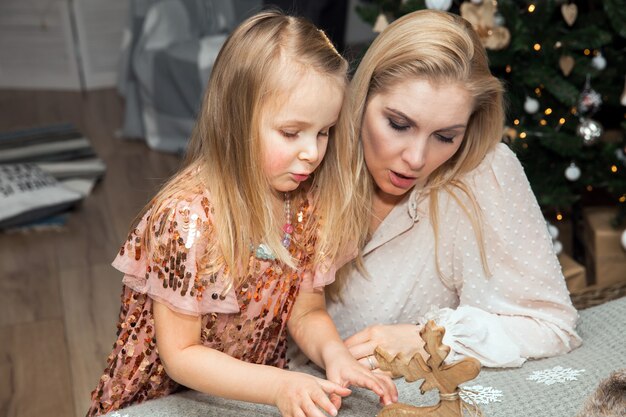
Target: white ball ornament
x,y
553,231
598,62
558,247
572,172
439,4
624,239
531,106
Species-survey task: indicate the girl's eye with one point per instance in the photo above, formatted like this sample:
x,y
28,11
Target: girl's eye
x,y
397,126
289,134
325,134
444,139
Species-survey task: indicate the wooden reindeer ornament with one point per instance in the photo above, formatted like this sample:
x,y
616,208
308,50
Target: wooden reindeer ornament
x,y
436,375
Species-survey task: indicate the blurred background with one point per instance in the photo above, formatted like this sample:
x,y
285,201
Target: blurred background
x,y
98,99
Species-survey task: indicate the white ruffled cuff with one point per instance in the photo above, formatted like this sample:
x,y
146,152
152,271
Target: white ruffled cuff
x,y
476,333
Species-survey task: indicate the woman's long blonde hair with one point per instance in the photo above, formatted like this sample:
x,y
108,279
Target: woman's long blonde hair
x,y
224,154
442,48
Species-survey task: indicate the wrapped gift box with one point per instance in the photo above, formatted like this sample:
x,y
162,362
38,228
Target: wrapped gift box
x,y
574,273
604,255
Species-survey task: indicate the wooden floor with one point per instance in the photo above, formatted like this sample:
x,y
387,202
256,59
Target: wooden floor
x,y
59,296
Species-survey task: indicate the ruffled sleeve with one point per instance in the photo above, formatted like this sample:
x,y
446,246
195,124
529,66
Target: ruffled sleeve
x,y
172,257
523,309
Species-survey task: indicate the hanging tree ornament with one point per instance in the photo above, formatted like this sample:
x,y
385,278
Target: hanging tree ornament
x,y
482,18
623,239
622,99
569,12
598,62
531,106
381,23
566,63
589,100
589,130
572,172
439,4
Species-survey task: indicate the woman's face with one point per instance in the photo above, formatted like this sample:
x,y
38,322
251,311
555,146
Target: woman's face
x,y
411,129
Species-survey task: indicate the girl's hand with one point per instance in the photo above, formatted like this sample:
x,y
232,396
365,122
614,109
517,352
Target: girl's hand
x,y
393,338
299,395
345,370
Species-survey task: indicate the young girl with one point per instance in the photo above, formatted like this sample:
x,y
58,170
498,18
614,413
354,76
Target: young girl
x,y
223,258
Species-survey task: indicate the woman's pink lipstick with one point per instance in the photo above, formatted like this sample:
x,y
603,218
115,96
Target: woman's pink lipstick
x,y
300,177
401,181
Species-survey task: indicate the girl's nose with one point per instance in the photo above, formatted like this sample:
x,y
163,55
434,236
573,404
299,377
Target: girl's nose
x,y
309,151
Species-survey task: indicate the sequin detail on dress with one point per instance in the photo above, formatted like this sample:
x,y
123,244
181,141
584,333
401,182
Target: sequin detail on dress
x,y
191,277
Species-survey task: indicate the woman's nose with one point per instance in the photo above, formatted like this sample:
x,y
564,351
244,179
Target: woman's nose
x,y
415,153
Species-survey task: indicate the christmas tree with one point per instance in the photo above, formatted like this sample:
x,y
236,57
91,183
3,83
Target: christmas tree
x,y
564,66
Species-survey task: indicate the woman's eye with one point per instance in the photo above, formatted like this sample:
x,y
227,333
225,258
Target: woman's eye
x,y
323,133
289,134
397,126
445,139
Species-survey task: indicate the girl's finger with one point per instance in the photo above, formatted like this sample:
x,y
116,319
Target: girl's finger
x,y
336,400
388,385
332,388
319,399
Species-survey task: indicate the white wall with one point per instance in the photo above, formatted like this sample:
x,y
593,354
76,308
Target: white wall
x,y
43,47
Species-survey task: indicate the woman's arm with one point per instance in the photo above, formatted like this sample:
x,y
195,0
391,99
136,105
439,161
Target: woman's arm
x,y
312,329
193,365
523,309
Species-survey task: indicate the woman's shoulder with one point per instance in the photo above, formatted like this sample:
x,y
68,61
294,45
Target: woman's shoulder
x,y
500,165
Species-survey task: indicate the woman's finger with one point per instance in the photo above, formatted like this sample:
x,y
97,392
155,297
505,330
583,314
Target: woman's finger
x,y
362,350
358,338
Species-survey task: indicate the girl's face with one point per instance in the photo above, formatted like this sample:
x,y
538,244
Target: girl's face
x,y
294,132
410,130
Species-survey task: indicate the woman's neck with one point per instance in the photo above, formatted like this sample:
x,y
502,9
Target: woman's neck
x,y
382,204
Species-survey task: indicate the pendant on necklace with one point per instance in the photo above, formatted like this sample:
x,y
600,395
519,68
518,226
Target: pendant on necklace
x,y
263,251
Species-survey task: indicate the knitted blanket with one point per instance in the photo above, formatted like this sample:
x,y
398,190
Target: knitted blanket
x,y
554,387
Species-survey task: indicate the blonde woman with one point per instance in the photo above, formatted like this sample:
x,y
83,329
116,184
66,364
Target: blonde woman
x,y
452,230
229,255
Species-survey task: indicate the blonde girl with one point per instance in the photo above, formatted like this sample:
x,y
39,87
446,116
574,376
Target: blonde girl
x,y
231,253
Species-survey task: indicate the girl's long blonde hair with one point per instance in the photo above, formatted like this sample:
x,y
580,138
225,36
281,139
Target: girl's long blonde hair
x,y
442,48
224,154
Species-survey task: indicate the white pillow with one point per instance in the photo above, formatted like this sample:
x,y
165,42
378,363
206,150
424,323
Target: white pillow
x,y
27,194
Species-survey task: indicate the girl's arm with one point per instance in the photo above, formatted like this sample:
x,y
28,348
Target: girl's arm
x,y
193,365
313,330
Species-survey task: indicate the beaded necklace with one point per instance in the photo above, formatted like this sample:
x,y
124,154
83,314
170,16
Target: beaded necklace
x,y
263,251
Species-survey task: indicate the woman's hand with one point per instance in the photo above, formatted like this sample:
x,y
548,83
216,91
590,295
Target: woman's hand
x,y
299,394
393,338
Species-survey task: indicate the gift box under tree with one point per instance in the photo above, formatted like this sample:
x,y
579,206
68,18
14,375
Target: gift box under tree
x,y
605,255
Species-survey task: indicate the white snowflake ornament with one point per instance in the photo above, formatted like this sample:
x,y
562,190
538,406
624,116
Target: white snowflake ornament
x,y
558,374
478,394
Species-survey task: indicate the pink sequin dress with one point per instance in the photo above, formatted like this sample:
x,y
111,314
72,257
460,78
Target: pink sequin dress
x,y
182,270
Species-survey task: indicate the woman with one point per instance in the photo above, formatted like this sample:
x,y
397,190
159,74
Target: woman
x,y
454,232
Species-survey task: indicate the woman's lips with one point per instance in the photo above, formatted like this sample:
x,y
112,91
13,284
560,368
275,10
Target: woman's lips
x,y
400,180
300,177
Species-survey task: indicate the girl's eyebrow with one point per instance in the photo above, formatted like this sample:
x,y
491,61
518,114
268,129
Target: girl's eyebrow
x,y
412,122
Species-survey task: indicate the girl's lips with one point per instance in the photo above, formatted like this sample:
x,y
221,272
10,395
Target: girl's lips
x,y
401,181
300,177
